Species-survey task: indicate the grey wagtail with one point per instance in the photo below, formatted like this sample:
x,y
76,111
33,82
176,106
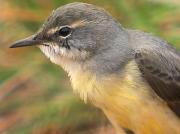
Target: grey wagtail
x,y
132,76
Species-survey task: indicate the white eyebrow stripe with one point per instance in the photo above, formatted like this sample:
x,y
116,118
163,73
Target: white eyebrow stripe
x,y
78,23
73,25
52,30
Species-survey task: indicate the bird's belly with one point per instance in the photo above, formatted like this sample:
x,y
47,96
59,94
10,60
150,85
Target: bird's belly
x,y
128,102
134,106
142,117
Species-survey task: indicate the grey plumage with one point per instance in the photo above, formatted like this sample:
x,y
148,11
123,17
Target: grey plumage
x,y
99,47
158,62
111,45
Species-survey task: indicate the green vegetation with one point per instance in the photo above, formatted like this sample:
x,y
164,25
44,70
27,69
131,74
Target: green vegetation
x,y
35,95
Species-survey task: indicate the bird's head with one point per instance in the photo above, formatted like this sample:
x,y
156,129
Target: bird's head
x,y
76,31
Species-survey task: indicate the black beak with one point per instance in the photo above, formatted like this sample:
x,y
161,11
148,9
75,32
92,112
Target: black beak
x,y
30,41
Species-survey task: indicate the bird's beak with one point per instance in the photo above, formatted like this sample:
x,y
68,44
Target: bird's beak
x,y
30,41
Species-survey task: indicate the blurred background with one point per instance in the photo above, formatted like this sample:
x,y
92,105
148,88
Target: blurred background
x,y
35,95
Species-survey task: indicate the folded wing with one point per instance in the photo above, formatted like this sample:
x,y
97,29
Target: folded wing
x,y
160,66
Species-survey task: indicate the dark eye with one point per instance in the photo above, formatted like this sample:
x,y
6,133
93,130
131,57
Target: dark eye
x,y
64,31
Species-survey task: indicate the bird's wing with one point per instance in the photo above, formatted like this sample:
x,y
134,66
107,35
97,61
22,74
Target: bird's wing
x,y
161,69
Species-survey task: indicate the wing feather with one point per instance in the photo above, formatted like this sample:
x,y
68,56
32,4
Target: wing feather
x,y
161,69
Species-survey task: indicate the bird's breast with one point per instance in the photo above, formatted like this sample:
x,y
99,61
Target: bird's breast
x,y
127,100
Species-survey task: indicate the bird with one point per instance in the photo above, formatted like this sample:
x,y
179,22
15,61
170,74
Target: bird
x,y
131,75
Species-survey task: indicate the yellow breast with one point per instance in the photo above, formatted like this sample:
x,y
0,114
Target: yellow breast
x,y
127,101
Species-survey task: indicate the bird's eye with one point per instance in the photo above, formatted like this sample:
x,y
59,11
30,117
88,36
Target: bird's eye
x,y
64,31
